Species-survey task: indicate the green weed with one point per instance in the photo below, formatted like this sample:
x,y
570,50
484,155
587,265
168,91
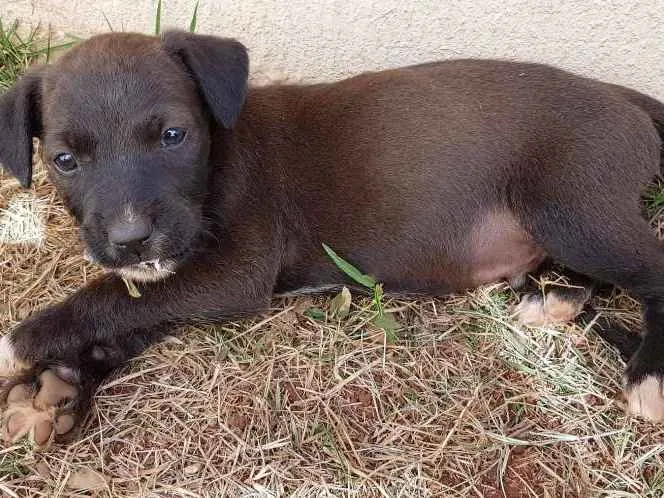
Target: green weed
x,y
382,319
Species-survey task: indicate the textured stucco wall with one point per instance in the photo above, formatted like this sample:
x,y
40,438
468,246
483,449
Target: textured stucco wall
x,y
619,41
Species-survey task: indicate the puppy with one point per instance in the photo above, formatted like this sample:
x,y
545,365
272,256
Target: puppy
x,y
212,196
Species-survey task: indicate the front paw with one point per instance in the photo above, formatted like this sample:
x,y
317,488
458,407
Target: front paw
x,y
41,406
10,364
34,401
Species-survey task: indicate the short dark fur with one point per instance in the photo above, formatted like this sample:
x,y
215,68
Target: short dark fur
x,y
426,177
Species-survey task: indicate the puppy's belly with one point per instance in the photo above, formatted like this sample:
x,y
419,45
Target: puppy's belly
x,y
494,248
513,267
500,249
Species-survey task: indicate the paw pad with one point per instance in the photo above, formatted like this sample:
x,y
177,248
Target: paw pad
x,y
39,413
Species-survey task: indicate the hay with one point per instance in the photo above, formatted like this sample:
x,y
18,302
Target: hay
x,y
465,404
22,222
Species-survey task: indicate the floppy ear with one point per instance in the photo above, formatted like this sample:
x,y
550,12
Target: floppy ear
x,y
220,67
20,120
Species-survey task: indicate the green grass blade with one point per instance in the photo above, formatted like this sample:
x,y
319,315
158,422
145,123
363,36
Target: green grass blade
x,y
654,198
157,20
349,269
377,298
387,323
12,29
48,45
54,48
108,22
315,314
16,53
192,24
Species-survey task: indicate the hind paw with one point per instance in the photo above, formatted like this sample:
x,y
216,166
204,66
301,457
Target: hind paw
x,y
559,305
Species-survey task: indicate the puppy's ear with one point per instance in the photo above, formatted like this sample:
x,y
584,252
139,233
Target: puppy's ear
x,y
20,120
220,67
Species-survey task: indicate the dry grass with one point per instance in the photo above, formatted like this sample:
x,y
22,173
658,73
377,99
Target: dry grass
x,y
465,404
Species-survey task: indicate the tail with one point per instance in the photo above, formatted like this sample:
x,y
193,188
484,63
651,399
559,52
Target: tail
x,y
652,106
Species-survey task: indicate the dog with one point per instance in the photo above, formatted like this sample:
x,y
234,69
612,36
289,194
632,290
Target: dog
x,y
212,196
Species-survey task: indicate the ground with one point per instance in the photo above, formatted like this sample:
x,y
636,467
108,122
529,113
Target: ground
x,y
464,403
295,403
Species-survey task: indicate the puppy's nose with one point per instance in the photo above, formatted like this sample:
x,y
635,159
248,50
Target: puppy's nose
x,y
130,234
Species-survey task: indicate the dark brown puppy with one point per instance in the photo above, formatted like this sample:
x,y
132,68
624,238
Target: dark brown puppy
x,y
433,178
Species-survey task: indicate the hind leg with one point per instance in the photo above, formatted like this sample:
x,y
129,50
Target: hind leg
x,y
645,372
619,249
567,299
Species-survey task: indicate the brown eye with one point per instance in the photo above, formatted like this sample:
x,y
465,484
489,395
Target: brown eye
x,y
65,163
173,137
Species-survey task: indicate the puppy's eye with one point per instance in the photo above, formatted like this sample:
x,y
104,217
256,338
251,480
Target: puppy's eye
x,y
65,162
172,137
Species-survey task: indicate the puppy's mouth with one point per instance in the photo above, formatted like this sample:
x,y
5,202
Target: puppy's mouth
x,y
147,271
144,271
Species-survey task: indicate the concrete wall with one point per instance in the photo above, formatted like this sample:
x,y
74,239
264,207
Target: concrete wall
x,y
616,40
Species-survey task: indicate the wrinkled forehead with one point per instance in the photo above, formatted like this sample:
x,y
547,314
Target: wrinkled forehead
x,y
116,89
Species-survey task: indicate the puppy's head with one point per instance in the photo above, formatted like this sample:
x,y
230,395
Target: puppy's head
x,y
125,122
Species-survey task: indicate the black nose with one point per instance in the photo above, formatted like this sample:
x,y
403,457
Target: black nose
x,y
132,234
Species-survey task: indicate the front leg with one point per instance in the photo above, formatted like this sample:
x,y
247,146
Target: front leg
x,y
51,364
46,399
